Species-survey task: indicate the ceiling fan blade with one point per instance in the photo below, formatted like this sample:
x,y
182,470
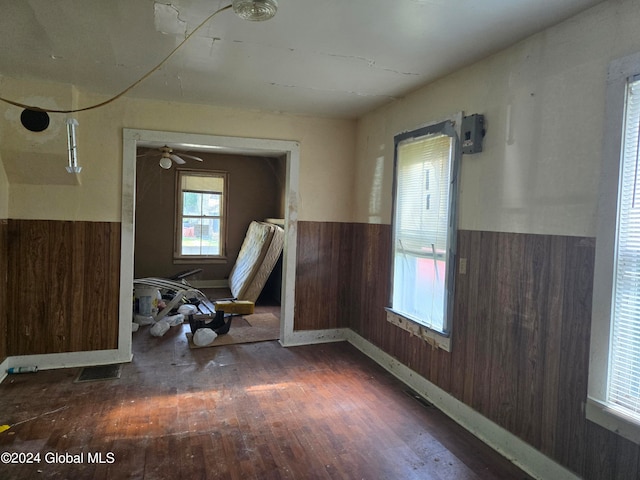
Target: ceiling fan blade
x,y
147,153
191,157
177,159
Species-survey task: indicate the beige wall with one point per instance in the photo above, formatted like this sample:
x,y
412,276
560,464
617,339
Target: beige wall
x,y
543,100
41,188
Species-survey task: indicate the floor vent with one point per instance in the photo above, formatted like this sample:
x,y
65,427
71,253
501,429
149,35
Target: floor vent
x,y
99,372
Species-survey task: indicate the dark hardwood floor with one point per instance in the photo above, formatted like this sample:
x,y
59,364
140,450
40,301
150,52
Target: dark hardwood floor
x,y
252,411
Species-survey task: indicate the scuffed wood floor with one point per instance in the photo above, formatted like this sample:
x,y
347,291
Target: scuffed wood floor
x,y
253,411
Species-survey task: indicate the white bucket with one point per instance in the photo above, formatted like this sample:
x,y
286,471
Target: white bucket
x,y
146,300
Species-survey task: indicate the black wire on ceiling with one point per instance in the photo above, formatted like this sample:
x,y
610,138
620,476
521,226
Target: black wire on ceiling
x,y
126,90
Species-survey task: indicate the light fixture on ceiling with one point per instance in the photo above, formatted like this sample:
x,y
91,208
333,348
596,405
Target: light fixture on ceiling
x,y
255,10
167,155
165,162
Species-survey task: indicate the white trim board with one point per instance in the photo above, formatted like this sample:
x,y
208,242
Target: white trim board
x,y
312,337
504,442
50,361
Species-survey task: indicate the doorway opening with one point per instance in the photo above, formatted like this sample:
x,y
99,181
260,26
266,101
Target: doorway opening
x,y
265,149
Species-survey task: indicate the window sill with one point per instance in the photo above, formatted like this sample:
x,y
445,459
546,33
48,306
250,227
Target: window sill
x,y
198,260
614,420
432,337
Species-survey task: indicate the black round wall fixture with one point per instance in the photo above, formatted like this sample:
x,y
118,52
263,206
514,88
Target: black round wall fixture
x,y
34,120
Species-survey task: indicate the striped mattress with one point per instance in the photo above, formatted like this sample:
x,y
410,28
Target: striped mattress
x,y
258,255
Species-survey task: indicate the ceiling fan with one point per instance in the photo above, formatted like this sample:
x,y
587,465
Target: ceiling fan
x,y
167,156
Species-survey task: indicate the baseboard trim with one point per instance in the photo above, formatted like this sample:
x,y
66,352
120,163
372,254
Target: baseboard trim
x,y
209,283
510,446
50,361
311,337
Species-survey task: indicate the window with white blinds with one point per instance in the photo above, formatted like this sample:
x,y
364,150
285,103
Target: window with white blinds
x,y
624,376
424,204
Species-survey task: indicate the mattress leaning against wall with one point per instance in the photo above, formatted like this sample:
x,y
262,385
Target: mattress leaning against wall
x,y
258,255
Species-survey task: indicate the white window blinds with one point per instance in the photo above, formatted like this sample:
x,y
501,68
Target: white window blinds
x,y
624,375
208,183
423,180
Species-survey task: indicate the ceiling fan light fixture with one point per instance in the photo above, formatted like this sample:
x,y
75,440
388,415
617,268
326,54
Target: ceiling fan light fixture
x,y
165,162
255,10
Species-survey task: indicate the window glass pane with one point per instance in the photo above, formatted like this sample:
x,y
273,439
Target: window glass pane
x,y
200,236
419,291
190,241
421,229
191,203
624,379
211,203
211,237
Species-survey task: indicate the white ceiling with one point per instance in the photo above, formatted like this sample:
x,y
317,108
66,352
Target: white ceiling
x,y
338,58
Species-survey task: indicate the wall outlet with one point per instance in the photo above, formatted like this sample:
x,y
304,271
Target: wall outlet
x,y
462,268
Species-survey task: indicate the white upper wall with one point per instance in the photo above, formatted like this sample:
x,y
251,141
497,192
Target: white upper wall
x,y
543,101
42,189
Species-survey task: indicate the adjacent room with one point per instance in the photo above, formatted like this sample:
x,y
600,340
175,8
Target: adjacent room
x,y
278,239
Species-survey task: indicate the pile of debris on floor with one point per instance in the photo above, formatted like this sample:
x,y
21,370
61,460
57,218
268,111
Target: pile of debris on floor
x,y
165,303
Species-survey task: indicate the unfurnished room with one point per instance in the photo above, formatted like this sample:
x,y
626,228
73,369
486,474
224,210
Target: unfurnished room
x,y
280,239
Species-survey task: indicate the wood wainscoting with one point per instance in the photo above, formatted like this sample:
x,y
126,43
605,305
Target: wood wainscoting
x,y
341,274
63,286
323,268
520,333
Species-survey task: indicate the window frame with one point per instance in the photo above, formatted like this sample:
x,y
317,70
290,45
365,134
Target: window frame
x,y
178,257
441,339
597,409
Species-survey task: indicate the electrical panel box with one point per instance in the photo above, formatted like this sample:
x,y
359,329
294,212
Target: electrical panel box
x,y
472,133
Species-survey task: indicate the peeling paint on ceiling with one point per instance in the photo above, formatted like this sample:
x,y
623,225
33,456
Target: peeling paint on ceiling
x,y
167,20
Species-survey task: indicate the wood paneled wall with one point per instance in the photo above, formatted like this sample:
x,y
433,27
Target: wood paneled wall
x,y
63,286
322,275
520,334
3,289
